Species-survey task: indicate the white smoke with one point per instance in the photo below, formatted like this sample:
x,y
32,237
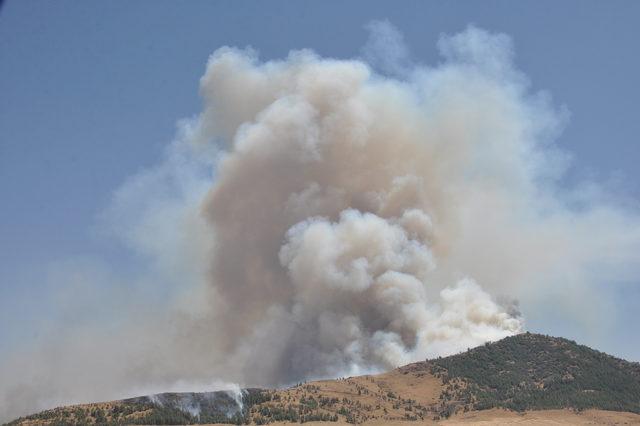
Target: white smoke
x,y
320,219
361,283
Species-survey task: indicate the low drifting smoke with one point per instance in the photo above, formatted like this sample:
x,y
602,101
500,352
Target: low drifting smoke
x,y
323,217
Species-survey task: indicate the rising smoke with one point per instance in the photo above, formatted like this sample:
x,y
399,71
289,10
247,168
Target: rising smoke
x,y
321,218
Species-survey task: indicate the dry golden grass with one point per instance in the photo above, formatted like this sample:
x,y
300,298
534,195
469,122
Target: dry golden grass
x,y
404,393
407,396
503,418
545,417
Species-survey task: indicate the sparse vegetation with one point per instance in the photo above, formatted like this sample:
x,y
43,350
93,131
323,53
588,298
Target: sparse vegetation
x,y
524,372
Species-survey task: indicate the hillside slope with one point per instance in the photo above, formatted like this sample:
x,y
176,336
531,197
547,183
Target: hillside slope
x,y
534,372
524,372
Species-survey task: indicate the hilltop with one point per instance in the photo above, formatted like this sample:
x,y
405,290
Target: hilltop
x,y
527,372
535,372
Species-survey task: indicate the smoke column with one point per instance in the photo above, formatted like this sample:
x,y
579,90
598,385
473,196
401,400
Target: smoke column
x,y
321,218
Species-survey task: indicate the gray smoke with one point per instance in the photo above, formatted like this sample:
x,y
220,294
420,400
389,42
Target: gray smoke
x,y
320,219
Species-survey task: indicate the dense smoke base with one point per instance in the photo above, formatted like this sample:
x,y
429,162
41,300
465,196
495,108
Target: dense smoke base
x,y
355,222
334,201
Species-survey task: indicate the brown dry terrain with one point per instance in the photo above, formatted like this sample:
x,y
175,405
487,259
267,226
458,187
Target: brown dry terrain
x,y
407,393
503,417
403,397
411,395
545,417
525,379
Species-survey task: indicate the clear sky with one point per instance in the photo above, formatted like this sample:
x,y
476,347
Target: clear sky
x,y
90,93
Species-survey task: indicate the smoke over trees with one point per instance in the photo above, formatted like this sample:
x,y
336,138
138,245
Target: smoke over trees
x,y
319,218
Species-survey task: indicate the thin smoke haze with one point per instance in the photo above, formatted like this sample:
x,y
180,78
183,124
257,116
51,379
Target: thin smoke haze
x,y
326,217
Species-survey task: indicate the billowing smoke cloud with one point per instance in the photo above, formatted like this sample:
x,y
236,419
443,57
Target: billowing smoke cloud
x,y
322,218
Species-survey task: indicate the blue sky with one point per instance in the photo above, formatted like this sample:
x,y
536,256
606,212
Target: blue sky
x,y
90,93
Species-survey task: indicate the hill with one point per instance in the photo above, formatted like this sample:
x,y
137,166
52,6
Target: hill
x,y
534,372
526,372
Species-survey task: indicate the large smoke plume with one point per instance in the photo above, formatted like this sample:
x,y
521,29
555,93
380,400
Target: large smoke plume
x,y
321,218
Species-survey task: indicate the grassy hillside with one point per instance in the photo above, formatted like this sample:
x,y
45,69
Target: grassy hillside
x,y
533,372
160,409
524,372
